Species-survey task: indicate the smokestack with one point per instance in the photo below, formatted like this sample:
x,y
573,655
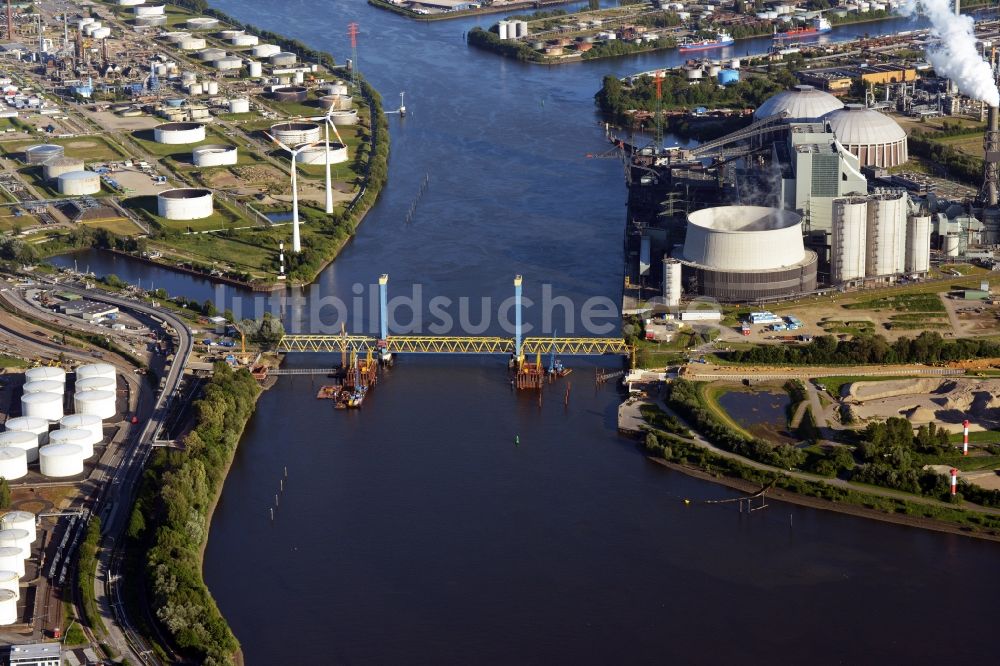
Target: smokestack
x,y
958,7
990,191
10,22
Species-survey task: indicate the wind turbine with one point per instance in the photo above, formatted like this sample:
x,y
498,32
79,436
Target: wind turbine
x,y
296,244
327,124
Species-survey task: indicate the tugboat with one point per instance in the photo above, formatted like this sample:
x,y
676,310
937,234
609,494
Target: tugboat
x,y
722,40
817,27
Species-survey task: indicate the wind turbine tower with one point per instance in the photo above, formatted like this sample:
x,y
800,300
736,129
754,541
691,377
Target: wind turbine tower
x,y
293,153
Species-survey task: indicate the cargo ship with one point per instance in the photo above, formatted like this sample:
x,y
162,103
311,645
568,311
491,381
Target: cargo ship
x,y
722,40
817,27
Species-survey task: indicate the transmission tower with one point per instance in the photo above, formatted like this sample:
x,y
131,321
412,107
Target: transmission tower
x,y
352,31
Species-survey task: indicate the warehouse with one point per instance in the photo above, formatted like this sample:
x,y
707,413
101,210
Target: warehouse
x,y
89,310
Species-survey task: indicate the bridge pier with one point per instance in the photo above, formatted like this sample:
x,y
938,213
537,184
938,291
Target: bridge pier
x,y
517,320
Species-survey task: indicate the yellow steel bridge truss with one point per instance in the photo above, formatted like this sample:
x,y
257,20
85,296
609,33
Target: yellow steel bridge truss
x,y
431,344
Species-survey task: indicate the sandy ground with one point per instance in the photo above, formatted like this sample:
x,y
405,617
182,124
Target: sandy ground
x,y
946,402
113,122
135,180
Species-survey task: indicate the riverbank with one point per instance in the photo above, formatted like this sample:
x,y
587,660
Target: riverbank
x,y
464,13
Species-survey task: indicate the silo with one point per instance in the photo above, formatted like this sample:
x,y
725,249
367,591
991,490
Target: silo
x,y
25,441
78,183
47,406
98,403
44,386
255,69
952,241
9,581
34,425
82,438
13,463
60,165
17,538
918,244
8,608
60,460
849,242
886,236
265,50
239,105
45,372
86,422
212,88
96,370
671,282
504,29
522,28
20,520
12,559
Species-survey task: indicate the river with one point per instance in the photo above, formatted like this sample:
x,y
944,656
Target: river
x,y
416,531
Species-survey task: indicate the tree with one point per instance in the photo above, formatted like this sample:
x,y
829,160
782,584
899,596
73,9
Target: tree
x,y
208,308
4,494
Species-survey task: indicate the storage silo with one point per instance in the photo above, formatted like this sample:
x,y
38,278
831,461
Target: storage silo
x,y
265,50
503,29
17,538
45,372
9,580
32,424
13,463
886,235
60,460
79,183
212,88
47,406
20,520
60,165
672,282
98,403
12,559
951,244
96,370
239,105
96,384
918,244
255,69
8,608
44,386
86,422
82,438
25,441
850,235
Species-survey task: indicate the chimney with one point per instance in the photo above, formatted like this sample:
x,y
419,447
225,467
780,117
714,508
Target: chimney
x,y
990,191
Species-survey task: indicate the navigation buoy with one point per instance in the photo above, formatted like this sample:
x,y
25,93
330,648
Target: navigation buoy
x,y
687,501
517,440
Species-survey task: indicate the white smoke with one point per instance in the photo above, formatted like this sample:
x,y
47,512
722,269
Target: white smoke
x,y
956,56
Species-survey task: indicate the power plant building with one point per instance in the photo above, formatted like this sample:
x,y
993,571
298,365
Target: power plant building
x,y
875,139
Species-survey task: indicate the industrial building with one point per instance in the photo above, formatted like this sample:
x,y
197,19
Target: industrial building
x,y
802,103
838,80
36,654
88,310
874,138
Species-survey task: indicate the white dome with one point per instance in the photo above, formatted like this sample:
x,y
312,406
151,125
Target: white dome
x,y
30,424
60,460
9,581
89,422
45,372
801,102
44,386
858,125
95,370
16,537
42,405
19,439
96,384
82,438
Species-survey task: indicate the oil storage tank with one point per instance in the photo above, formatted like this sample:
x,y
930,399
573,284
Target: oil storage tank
x,y
214,155
48,406
151,20
918,244
184,203
86,422
9,580
265,50
239,105
17,538
79,183
290,94
148,10
60,460
82,438
348,117
44,386
32,424
208,55
41,153
336,88
8,608
228,63
849,238
179,133
13,463
245,40
282,59
12,559
296,132
192,44
886,236
45,372
24,441
20,520
55,167
96,370
201,23
98,403
130,3
318,153
740,253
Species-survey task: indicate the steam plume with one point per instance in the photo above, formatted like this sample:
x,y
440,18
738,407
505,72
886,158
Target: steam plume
x,y
956,56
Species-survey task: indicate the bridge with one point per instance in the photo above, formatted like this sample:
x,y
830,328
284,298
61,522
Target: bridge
x,y
517,346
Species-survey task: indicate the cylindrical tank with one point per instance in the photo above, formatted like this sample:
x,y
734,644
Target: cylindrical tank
x,y
9,581
201,23
13,463
317,154
848,254
47,406
713,70
195,89
187,78
99,403
693,72
101,33
214,155
227,63
255,69
265,50
96,370
60,460
8,608
212,88
34,425
148,10
86,20
296,132
245,40
86,422
951,244
283,59
44,386
24,441
130,3
348,117
192,43
179,133
16,537
60,165
82,438
886,237
12,559
338,102
503,30
175,38
239,105
20,520
734,63
77,183
151,21
290,94
300,77
672,282
522,28
208,55
45,372
43,152
918,244
184,203
229,34
728,77
338,88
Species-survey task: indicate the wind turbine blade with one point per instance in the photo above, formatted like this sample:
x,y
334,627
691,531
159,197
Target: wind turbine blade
x,y
277,142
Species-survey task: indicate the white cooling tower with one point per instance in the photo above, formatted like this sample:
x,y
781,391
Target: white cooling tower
x,y
12,559
17,538
98,403
47,406
44,386
88,422
31,424
82,438
60,460
26,441
9,581
96,370
45,372
8,608
96,384
20,520
13,463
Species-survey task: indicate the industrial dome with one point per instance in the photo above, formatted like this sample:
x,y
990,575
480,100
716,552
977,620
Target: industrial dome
x,y
802,103
875,139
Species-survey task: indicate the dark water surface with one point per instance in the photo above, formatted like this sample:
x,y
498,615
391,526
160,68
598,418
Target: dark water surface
x,y
415,531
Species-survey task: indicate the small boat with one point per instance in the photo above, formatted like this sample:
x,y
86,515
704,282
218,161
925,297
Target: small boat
x,y
722,40
817,27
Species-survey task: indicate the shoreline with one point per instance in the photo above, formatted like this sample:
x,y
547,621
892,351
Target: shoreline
x,y
465,13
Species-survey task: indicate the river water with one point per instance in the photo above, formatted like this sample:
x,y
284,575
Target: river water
x,y
416,531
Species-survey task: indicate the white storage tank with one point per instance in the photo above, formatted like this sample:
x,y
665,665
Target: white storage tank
x,y
175,37
12,559
348,117
672,282
184,203
101,33
951,244
201,23
98,403
17,538
296,132
187,78
13,463
214,155
179,133
918,244
60,460
212,88
150,21
229,34
8,608
192,44
283,59
208,55
338,88
20,520
77,183
886,237
130,3
47,406
32,424
255,69
265,50
9,580
25,441
45,372
503,29
60,165
318,154
96,384
82,438
228,63
239,105
245,40
44,386
194,89
148,10
86,422
848,253
96,370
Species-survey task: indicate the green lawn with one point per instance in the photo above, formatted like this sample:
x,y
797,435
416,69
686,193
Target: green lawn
x,y
11,362
222,218
91,148
900,302
179,153
120,226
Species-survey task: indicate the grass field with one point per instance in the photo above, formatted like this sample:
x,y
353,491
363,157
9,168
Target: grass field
x,y
120,226
11,362
900,303
178,153
222,218
91,148
835,384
